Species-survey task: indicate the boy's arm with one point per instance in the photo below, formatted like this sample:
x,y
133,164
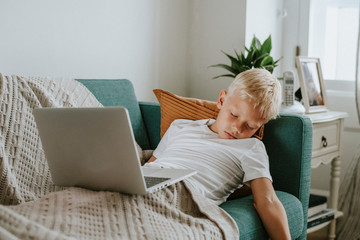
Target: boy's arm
x,y
270,209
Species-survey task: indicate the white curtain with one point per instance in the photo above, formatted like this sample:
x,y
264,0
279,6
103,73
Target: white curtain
x,y
348,226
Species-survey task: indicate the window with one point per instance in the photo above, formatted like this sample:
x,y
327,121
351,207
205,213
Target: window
x,y
333,36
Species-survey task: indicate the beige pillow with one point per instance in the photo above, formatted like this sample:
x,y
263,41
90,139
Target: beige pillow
x,y
174,107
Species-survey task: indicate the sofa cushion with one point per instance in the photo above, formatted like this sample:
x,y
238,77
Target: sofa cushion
x,y
176,107
249,222
120,92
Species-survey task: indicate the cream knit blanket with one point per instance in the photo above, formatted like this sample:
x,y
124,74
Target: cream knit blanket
x,y
172,213
24,173
44,211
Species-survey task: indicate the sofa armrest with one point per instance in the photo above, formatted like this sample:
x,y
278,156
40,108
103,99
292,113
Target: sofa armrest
x,y
150,112
288,142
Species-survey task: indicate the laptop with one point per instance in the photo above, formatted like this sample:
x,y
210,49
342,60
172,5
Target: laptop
x,y
95,148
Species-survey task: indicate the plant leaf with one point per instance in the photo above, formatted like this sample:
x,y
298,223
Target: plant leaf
x,y
235,63
266,47
255,43
268,60
258,60
240,57
256,56
278,60
270,68
244,68
224,75
229,68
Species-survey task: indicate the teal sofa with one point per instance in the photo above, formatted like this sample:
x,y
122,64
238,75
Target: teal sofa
x,y
288,141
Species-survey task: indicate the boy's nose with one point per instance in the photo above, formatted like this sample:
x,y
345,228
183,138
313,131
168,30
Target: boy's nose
x,y
237,130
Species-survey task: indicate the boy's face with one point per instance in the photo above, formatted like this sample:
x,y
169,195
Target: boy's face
x,y
237,118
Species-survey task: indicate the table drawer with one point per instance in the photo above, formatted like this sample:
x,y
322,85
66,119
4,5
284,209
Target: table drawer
x,y
325,138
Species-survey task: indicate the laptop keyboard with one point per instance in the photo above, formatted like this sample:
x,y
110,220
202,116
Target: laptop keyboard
x,y
151,181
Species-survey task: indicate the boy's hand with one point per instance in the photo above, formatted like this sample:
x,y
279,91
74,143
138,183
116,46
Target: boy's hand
x,y
151,159
270,209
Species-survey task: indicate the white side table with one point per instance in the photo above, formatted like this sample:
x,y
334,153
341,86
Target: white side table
x,y
327,131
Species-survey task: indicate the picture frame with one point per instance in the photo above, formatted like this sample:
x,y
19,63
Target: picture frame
x,y
311,84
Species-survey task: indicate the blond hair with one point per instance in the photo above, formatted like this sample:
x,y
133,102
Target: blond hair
x,y
260,87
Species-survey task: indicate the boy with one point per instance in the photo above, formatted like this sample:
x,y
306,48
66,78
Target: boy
x,y
223,151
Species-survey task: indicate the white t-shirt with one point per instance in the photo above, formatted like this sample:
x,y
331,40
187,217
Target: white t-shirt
x,y
222,165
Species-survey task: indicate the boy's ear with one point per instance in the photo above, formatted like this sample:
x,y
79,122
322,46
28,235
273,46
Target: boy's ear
x,y
221,99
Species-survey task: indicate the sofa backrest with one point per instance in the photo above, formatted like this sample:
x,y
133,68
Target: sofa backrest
x,y
120,92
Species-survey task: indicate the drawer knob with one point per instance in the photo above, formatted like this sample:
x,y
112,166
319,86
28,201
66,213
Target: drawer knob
x,y
324,141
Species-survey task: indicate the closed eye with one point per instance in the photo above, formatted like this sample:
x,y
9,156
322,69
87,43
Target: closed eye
x,y
233,115
251,128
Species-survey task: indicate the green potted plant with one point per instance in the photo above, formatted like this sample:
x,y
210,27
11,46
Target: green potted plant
x,y
258,56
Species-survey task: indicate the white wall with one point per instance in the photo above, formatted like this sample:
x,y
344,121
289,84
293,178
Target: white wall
x,y
264,18
171,50
144,41
214,26
165,44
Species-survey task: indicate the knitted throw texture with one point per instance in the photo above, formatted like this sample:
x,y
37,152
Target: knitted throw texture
x,y
32,207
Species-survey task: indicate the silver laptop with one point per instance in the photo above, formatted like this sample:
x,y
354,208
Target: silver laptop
x,y
95,148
